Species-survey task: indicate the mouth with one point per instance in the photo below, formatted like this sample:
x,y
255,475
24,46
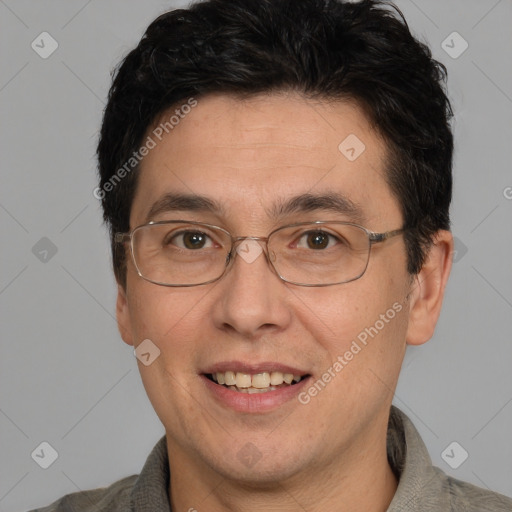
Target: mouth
x,y
254,383
254,388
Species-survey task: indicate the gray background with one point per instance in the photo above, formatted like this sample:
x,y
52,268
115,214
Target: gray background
x,y
65,375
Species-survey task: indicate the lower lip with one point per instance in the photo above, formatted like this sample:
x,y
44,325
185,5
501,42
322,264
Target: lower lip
x,y
256,402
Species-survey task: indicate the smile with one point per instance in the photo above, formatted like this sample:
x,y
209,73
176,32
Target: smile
x,y
254,383
254,388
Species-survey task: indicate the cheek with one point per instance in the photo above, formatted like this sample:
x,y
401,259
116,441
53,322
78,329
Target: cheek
x,y
358,311
167,316
368,349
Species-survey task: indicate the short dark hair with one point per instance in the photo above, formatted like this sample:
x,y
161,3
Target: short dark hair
x,y
325,49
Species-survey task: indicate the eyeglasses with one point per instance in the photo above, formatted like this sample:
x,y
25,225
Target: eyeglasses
x,y
187,253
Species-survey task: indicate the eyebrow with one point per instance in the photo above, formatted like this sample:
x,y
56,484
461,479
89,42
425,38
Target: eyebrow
x,y
331,201
303,203
183,202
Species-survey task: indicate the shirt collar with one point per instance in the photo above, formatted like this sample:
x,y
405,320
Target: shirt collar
x,y
420,487
150,492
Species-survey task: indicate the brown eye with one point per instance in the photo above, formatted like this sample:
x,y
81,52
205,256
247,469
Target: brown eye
x,y
316,240
192,240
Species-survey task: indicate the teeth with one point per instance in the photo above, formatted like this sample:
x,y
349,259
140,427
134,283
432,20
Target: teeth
x,y
276,378
230,378
288,377
261,380
243,380
252,391
258,382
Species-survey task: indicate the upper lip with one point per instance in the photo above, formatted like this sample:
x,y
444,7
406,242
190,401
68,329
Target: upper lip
x,y
253,368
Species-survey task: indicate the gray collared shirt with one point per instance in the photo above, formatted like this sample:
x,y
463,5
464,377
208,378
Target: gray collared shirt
x,y
422,487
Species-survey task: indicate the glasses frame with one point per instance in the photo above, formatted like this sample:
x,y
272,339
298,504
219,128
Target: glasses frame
x,y
373,238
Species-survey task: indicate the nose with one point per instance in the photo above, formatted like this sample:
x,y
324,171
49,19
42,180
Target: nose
x,y
252,300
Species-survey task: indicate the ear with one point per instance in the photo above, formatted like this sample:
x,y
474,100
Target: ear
x,y
427,289
123,315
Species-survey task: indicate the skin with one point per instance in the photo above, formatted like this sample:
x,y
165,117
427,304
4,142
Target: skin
x,y
330,453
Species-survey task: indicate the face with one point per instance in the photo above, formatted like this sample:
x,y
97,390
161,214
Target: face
x,y
247,156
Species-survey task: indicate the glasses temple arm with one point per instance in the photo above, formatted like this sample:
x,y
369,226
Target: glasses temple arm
x,y
380,237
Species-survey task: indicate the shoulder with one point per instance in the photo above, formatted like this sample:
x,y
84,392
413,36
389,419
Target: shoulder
x,y
467,497
423,487
114,498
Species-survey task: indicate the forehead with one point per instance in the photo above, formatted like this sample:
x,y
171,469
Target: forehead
x,y
250,155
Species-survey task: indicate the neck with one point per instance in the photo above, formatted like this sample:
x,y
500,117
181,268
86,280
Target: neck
x,y
359,479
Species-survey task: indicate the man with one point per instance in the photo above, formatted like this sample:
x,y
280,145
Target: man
x,y
276,176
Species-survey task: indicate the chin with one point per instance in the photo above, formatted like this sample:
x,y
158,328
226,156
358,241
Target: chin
x,y
253,468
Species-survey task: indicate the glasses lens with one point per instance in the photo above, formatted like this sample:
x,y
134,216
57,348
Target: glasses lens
x,y
320,254
180,254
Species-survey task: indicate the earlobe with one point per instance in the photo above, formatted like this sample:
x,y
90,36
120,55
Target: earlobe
x,y
427,290
123,316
